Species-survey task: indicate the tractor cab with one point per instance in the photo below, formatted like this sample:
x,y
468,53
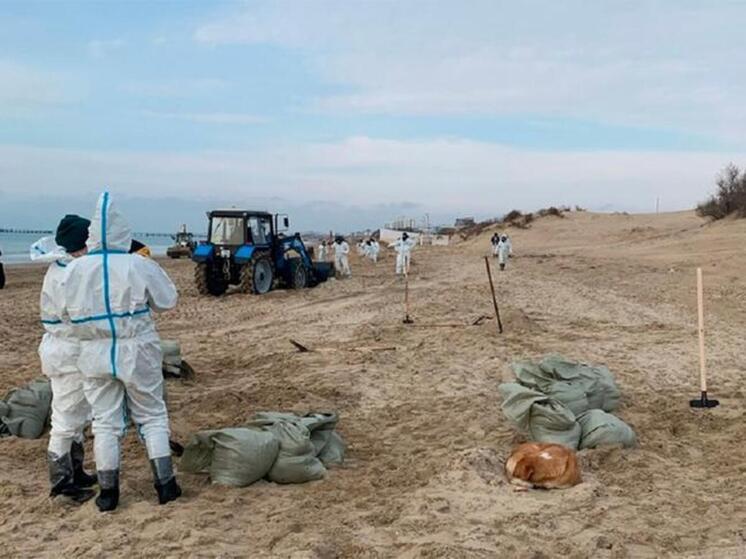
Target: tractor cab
x,y
249,249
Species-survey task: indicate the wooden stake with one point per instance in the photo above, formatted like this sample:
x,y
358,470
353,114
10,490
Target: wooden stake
x,y
494,299
703,402
299,346
701,316
407,319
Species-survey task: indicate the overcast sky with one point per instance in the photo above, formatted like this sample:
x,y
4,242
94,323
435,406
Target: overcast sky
x,y
359,111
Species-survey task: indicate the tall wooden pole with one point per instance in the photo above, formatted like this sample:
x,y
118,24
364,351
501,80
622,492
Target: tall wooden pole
x,y
494,299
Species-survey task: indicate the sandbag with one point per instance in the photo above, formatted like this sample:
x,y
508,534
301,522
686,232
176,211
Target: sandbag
x,y
544,418
329,446
296,461
596,380
601,428
233,456
333,447
26,411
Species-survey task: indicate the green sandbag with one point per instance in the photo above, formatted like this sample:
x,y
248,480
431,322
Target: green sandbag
x,y
600,428
332,452
233,456
570,392
296,461
26,410
545,419
329,446
596,380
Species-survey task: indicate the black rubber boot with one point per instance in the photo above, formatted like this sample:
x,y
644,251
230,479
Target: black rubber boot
x,y
80,477
108,498
165,481
61,479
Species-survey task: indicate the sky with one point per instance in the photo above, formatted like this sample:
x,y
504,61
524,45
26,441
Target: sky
x,y
347,113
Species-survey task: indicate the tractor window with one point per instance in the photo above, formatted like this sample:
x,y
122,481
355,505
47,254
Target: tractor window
x,y
226,231
260,230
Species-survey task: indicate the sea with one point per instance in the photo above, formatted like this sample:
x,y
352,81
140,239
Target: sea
x,y
15,246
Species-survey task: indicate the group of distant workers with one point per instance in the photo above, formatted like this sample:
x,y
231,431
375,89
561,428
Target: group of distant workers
x,y
502,249
370,249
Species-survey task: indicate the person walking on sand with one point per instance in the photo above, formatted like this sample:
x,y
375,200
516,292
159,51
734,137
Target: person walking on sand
x,y
503,251
403,248
341,261
109,296
322,251
495,240
372,249
59,352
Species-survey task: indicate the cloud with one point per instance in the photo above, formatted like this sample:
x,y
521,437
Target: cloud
x,y
440,175
178,88
667,64
24,90
101,49
210,118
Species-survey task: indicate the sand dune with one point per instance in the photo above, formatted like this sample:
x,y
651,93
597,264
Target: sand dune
x,y
427,438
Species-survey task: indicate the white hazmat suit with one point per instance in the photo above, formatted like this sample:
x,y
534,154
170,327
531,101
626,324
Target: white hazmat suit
x,y
403,248
109,296
59,351
341,259
373,249
503,251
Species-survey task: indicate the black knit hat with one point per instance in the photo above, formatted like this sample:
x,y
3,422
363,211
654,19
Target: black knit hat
x,y
72,233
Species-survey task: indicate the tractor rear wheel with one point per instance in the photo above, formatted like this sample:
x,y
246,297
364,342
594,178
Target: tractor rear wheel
x,y
258,275
298,274
207,281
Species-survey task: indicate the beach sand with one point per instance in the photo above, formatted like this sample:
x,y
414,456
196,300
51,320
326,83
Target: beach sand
x,y
427,439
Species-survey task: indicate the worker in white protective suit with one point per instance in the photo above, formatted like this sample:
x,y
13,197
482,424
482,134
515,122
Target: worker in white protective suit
x,y
109,296
341,260
503,252
508,242
59,351
373,248
403,247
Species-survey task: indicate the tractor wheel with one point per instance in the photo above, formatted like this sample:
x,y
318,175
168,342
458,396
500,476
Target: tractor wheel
x,y
207,282
2,276
258,275
298,274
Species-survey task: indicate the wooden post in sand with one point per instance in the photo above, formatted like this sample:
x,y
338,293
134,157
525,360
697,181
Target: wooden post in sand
x,y
407,319
494,299
702,401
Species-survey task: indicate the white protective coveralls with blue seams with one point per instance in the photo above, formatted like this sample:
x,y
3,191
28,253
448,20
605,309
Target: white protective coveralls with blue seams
x,y
109,295
59,351
403,247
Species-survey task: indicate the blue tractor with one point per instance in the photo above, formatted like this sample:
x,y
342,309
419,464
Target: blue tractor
x,y
247,249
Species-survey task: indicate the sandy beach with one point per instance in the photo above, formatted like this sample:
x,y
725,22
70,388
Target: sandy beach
x,y
420,409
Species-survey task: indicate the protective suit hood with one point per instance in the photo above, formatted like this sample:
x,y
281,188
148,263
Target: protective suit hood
x,y
109,230
47,250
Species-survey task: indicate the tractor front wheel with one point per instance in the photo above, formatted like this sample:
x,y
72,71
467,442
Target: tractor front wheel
x,y
298,274
257,276
209,282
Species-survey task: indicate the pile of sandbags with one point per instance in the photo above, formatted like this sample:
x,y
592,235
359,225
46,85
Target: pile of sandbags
x,y
282,447
25,411
560,401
